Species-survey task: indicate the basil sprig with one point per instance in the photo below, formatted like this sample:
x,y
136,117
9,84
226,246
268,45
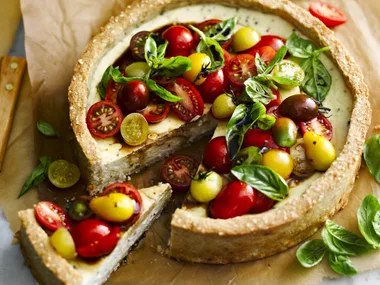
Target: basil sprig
x,y
222,31
341,264
318,81
372,156
38,175
47,129
311,253
367,212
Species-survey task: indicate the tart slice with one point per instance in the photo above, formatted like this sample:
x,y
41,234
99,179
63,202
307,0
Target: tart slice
x,y
49,267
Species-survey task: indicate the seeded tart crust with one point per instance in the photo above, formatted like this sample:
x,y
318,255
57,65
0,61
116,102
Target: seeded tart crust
x,y
49,268
248,237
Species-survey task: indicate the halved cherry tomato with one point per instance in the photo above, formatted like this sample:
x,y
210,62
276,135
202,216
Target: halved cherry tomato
x,y
137,45
276,101
94,238
104,119
266,53
205,26
52,216
133,96
180,40
235,199
262,203
330,15
274,42
320,125
112,90
215,85
240,68
179,170
216,157
227,56
274,111
259,138
156,112
191,105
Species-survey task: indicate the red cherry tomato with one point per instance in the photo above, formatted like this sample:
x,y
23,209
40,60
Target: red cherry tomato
x,y
51,216
191,105
259,138
320,125
180,40
274,42
94,238
235,199
133,96
205,26
227,56
240,68
179,170
215,85
262,203
156,112
112,90
276,101
330,15
266,53
216,157
273,110
104,119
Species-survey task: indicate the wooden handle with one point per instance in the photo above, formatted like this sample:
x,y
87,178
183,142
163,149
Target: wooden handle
x,y
11,72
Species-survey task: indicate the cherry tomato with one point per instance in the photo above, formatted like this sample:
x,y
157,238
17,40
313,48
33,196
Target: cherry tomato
x,y
137,69
216,157
227,55
51,216
262,203
180,40
240,68
276,101
112,90
205,26
206,186
94,238
279,161
178,171
134,129
104,119
235,199
285,132
274,42
215,85
198,62
244,39
320,125
137,45
63,174
162,80
133,96
320,152
192,104
63,243
79,210
266,53
299,108
223,107
259,138
156,112
330,15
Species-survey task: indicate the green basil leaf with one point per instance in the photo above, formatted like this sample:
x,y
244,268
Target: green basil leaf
x,y
280,54
285,81
38,175
119,78
222,31
266,122
161,50
372,156
241,121
311,253
161,91
341,264
102,86
174,66
46,129
263,179
255,91
249,155
317,82
299,47
376,223
366,215
260,64
342,241
150,49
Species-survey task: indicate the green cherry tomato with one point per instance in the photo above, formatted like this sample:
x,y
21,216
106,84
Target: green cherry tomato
x,y
206,186
279,161
63,243
289,70
134,129
285,132
114,207
320,152
63,174
137,69
79,210
248,156
223,107
244,39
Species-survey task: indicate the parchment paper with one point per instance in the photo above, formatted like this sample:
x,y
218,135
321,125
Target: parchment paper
x,y
57,32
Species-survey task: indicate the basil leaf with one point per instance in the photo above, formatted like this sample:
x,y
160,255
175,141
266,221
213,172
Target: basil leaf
x,y
266,122
46,129
102,86
119,78
317,82
260,64
38,175
299,47
366,215
161,91
280,54
222,31
174,66
372,156
161,50
263,179
341,264
342,241
241,121
255,91
311,253
249,155
285,81
150,49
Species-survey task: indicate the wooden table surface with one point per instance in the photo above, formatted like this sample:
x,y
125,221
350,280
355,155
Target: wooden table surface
x,y
10,15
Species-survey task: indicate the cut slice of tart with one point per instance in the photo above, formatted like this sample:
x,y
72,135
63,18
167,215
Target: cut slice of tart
x,y
50,268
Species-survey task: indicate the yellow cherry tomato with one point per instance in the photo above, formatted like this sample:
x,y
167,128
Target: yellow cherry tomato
x,y
223,107
206,186
279,161
244,39
63,243
114,207
320,152
198,61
